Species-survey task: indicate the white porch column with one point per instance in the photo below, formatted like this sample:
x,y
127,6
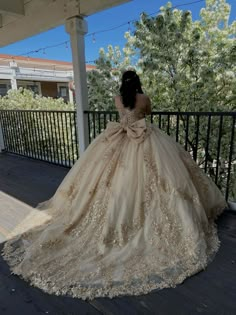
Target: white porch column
x,y
40,89
77,28
71,96
13,83
2,147
13,66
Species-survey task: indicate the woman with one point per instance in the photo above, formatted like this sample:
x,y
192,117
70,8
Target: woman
x,y
135,213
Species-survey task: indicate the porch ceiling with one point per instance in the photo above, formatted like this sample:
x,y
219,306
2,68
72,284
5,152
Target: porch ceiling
x,y
20,19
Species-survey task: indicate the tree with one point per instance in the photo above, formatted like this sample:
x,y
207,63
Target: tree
x,y
189,65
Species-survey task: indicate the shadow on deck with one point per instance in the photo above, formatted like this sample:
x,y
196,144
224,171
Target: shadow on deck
x,y
212,291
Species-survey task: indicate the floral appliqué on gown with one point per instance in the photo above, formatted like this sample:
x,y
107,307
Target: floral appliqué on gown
x,y
134,214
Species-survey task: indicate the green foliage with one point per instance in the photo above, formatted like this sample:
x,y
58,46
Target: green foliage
x,y
186,65
26,99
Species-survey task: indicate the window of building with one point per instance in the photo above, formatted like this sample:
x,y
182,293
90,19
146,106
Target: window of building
x,y
33,88
63,92
3,89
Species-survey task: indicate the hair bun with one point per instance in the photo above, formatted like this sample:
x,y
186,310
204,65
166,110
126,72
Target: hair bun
x,y
129,79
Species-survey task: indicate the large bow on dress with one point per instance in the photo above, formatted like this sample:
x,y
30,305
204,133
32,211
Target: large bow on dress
x,y
135,131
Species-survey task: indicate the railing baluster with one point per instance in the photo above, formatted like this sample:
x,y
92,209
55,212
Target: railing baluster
x,y
76,136
27,136
42,151
36,134
2,125
47,137
159,121
218,149
168,124
207,142
51,137
59,138
13,139
57,150
9,125
94,126
63,137
33,128
5,131
99,124
89,127
186,132
16,132
43,140
151,118
22,135
67,139
72,139
104,120
231,151
177,127
196,142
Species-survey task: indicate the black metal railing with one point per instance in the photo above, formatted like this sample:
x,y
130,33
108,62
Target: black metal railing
x,y
44,135
51,136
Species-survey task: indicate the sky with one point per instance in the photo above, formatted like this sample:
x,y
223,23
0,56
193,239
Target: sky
x,y
101,21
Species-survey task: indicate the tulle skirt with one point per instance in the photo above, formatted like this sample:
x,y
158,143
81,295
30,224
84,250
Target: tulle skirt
x,y
131,216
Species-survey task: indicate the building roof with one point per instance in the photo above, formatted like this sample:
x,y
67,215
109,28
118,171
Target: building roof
x,y
39,63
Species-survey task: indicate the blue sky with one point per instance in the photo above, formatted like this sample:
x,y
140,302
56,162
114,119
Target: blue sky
x,y
100,21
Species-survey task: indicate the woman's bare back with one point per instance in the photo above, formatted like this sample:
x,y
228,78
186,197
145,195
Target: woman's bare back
x,y
143,103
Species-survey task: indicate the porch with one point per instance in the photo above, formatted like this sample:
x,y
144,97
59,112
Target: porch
x,y
25,182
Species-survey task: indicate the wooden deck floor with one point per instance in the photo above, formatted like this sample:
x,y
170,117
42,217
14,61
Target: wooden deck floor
x,y
24,183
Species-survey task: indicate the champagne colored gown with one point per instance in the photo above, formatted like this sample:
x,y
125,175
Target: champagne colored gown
x,y
134,214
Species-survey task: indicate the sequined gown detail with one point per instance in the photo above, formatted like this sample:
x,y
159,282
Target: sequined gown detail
x,y
134,214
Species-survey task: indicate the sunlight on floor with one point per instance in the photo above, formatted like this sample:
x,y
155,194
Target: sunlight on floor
x,y
17,217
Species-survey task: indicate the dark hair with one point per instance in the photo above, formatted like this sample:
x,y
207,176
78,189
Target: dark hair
x,y
130,86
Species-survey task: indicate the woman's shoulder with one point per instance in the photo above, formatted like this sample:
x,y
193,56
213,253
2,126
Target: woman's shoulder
x,y
117,98
142,96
